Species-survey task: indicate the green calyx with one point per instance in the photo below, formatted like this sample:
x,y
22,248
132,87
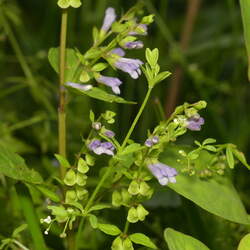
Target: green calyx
x,y
64,4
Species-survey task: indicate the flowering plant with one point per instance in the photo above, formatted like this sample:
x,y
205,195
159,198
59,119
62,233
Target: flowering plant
x,y
129,173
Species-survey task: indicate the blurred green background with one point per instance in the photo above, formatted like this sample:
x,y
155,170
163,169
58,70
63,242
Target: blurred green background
x,y
200,42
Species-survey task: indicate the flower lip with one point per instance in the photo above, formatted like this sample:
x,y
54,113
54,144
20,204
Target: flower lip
x,y
101,147
163,173
134,45
109,133
118,52
112,82
84,87
194,123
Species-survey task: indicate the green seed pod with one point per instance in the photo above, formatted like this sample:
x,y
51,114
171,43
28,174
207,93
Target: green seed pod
x,y
127,244
141,212
81,193
82,166
70,178
134,188
70,196
90,160
117,244
81,179
126,196
132,215
116,199
144,189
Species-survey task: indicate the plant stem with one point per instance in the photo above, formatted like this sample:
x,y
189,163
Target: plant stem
x,y
136,119
62,93
126,227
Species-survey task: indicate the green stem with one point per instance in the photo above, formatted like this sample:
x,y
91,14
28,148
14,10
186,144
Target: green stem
x,y
20,245
136,119
23,63
126,227
62,93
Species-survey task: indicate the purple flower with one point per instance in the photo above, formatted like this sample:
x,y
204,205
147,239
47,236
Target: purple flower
x,y
101,147
112,82
141,29
163,173
109,18
133,45
130,66
79,86
118,52
194,123
109,133
151,141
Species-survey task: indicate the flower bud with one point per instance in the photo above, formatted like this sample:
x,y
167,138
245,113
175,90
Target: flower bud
x,y
200,105
96,125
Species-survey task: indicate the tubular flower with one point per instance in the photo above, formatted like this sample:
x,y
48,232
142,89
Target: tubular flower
x,y
163,173
109,18
133,45
112,82
130,66
101,147
118,52
109,133
151,141
79,86
194,123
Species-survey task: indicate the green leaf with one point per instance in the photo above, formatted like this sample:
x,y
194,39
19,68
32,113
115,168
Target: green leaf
x,y
131,149
100,95
72,62
48,193
19,230
13,166
230,157
109,229
75,3
241,157
63,3
244,243
99,207
93,221
208,141
180,241
245,6
204,192
62,161
99,67
142,239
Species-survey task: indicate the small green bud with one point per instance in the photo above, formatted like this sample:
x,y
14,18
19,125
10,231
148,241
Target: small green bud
x,y
190,112
70,178
147,19
134,188
116,199
82,166
132,215
84,77
200,105
70,196
81,179
141,212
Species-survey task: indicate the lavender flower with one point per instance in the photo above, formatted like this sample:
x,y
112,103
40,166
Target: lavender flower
x,y
143,30
194,123
151,141
112,82
101,147
163,173
133,45
109,133
118,52
109,18
79,86
130,66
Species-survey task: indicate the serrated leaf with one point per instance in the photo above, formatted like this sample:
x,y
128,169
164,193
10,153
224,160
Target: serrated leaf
x,y
204,192
179,241
244,243
230,157
100,94
13,166
109,229
142,239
